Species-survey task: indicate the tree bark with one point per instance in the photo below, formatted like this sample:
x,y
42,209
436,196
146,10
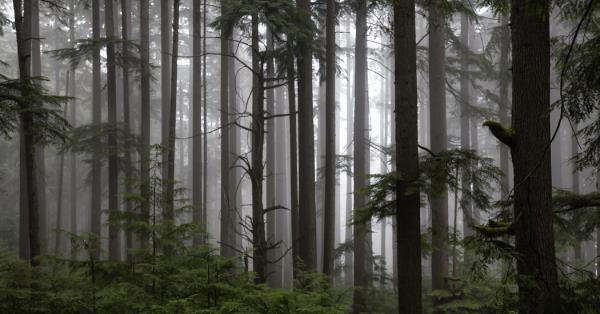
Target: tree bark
x,y
145,114
439,143
465,131
169,210
114,241
408,228
125,27
226,232
361,171
73,181
306,162
256,171
197,124
165,80
293,136
329,205
96,171
536,265
349,254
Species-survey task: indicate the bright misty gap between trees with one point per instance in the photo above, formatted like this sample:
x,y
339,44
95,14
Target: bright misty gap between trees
x,y
250,156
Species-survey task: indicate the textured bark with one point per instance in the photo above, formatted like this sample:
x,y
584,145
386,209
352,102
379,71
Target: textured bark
x,y
165,80
465,131
28,169
282,230
125,27
145,113
226,232
235,173
36,71
538,282
274,276
59,239
257,169
293,137
169,209
329,221
114,241
306,162
361,170
73,181
408,228
349,254
197,124
96,171
439,142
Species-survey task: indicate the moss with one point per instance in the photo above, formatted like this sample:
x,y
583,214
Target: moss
x,y
504,135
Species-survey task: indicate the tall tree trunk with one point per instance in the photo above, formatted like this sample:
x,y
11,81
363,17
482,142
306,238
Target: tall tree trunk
x,y
504,105
361,171
165,80
256,172
575,187
169,212
320,137
73,120
145,114
96,171
125,27
349,254
439,142
282,230
465,131
306,160
408,228
329,205
197,125
536,265
36,71
295,219
58,240
235,193
274,278
205,122
28,179
114,241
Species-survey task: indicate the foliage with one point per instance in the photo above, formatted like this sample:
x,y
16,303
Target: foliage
x,y
438,172
18,96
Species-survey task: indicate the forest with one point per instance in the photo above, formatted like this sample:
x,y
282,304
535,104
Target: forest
x,y
300,156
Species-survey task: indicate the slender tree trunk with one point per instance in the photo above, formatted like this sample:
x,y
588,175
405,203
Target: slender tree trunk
x,y
36,71
29,192
73,120
408,229
306,162
58,240
465,131
320,138
538,281
274,278
169,209
295,219
125,27
349,255
114,245
575,187
361,171
439,143
145,114
256,172
282,269
235,193
165,80
204,123
329,205
197,125
96,187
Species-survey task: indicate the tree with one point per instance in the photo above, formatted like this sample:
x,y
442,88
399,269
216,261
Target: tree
x,y
408,224
170,190
114,241
165,79
529,140
293,136
145,113
96,171
73,182
439,141
125,27
465,131
330,182
226,213
306,141
28,169
256,166
361,134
